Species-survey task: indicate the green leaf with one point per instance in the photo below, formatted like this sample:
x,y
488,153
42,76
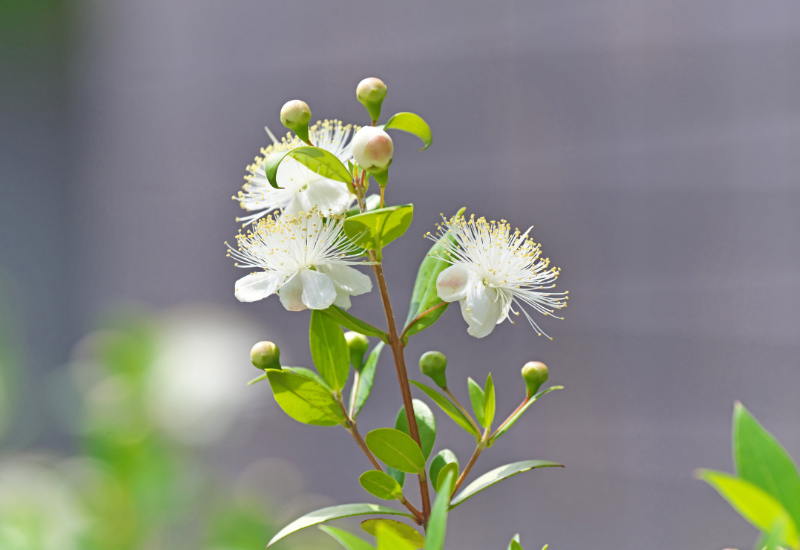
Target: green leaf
x,y
257,379
354,323
754,504
520,412
310,374
499,474
489,402
437,525
426,425
329,350
396,449
477,398
374,230
515,545
406,532
514,539
390,539
317,160
424,320
305,400
451,410
370,203
411,123
762,461
442,458
331,513
366,377
381,485
381,177
399,477
449,468
347,539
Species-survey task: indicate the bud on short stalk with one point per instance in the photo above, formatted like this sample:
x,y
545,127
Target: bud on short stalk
x,y
433,364
535,374
357,344
265,355
373,149
370,92
295,115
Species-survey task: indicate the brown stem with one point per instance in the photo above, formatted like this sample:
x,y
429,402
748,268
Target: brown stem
x,y
360,440
417,514
470,464
463,410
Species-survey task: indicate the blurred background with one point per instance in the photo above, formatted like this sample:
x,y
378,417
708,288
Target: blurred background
x,y
654,146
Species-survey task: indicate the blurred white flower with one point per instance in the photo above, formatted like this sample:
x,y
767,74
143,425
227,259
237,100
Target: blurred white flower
x,y
303,189
492,270
305,259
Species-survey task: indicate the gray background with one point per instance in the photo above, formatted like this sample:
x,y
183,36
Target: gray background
x,y
654,146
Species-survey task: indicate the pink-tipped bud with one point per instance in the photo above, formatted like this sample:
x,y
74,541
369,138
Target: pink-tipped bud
x,y
373,149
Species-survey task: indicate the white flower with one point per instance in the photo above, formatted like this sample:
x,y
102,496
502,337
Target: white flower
x,y
306,259
492,271
303,189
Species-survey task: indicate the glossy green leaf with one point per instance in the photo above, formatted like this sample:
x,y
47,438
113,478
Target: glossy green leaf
x,y
355,324
477,398
390,539
374,230
499,474
317,160
754,504
451,410
762,461
406,532
396,449
331,513
366,378
381,177
329,350
305,400
381,485
489,402
347,539
449,468
514,539
426,425
310,374
413,124
437,525
399,477
520,412
442,458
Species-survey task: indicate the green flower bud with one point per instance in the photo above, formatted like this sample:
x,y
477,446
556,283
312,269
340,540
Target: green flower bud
x,y
295,115
535,374
370,92
373,149
358,345
433,364
266,355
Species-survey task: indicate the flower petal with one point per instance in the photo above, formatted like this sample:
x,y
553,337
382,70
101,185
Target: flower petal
x,y
256,286
451,284
291,293
294,206
319,291
342,299
348,278
329,196
482,308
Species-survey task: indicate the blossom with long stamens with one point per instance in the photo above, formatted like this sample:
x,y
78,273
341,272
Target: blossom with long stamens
x,y
493,272
303,189
305,259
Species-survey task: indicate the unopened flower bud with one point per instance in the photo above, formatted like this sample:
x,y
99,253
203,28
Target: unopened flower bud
x,y
265,355
357,344
373,149
295,115
433,364
535,374
370,92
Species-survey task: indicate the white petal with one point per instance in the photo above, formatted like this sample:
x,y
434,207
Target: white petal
x,y
451,284
342,299
348,278
328,195
318,289
291,293
482,308
294,206
506,306
256,286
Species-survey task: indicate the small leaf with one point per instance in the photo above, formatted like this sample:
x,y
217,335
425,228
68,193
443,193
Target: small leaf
x,y
437,525
442,458
390,539
310,374
396,449
381,177
366,378
355,324
329,350
374,230
754,504
426,425
331,513
477,398
257,379
450,468
406,532
423,321
347,539
399,477
451,410
762,461
515,545
515,538
317,160
519,413
413,124
489,403
381,485
305,400
499,474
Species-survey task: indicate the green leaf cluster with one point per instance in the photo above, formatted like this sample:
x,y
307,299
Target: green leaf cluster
x,y
374,230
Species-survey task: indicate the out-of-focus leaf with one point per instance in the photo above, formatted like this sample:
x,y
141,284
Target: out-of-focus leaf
x,y
305,400
520,412
396,449
451,410
489,402
317,160
329,350
390,539
437,525
499,474
426,424
443,457
310,374
413,124
381,485
399,477
514,539
366,378
347,539
477,398
448,469
515,545
407,532
374,230
355,324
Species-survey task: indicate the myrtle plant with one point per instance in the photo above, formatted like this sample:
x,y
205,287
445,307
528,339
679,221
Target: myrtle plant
x,y
310,222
